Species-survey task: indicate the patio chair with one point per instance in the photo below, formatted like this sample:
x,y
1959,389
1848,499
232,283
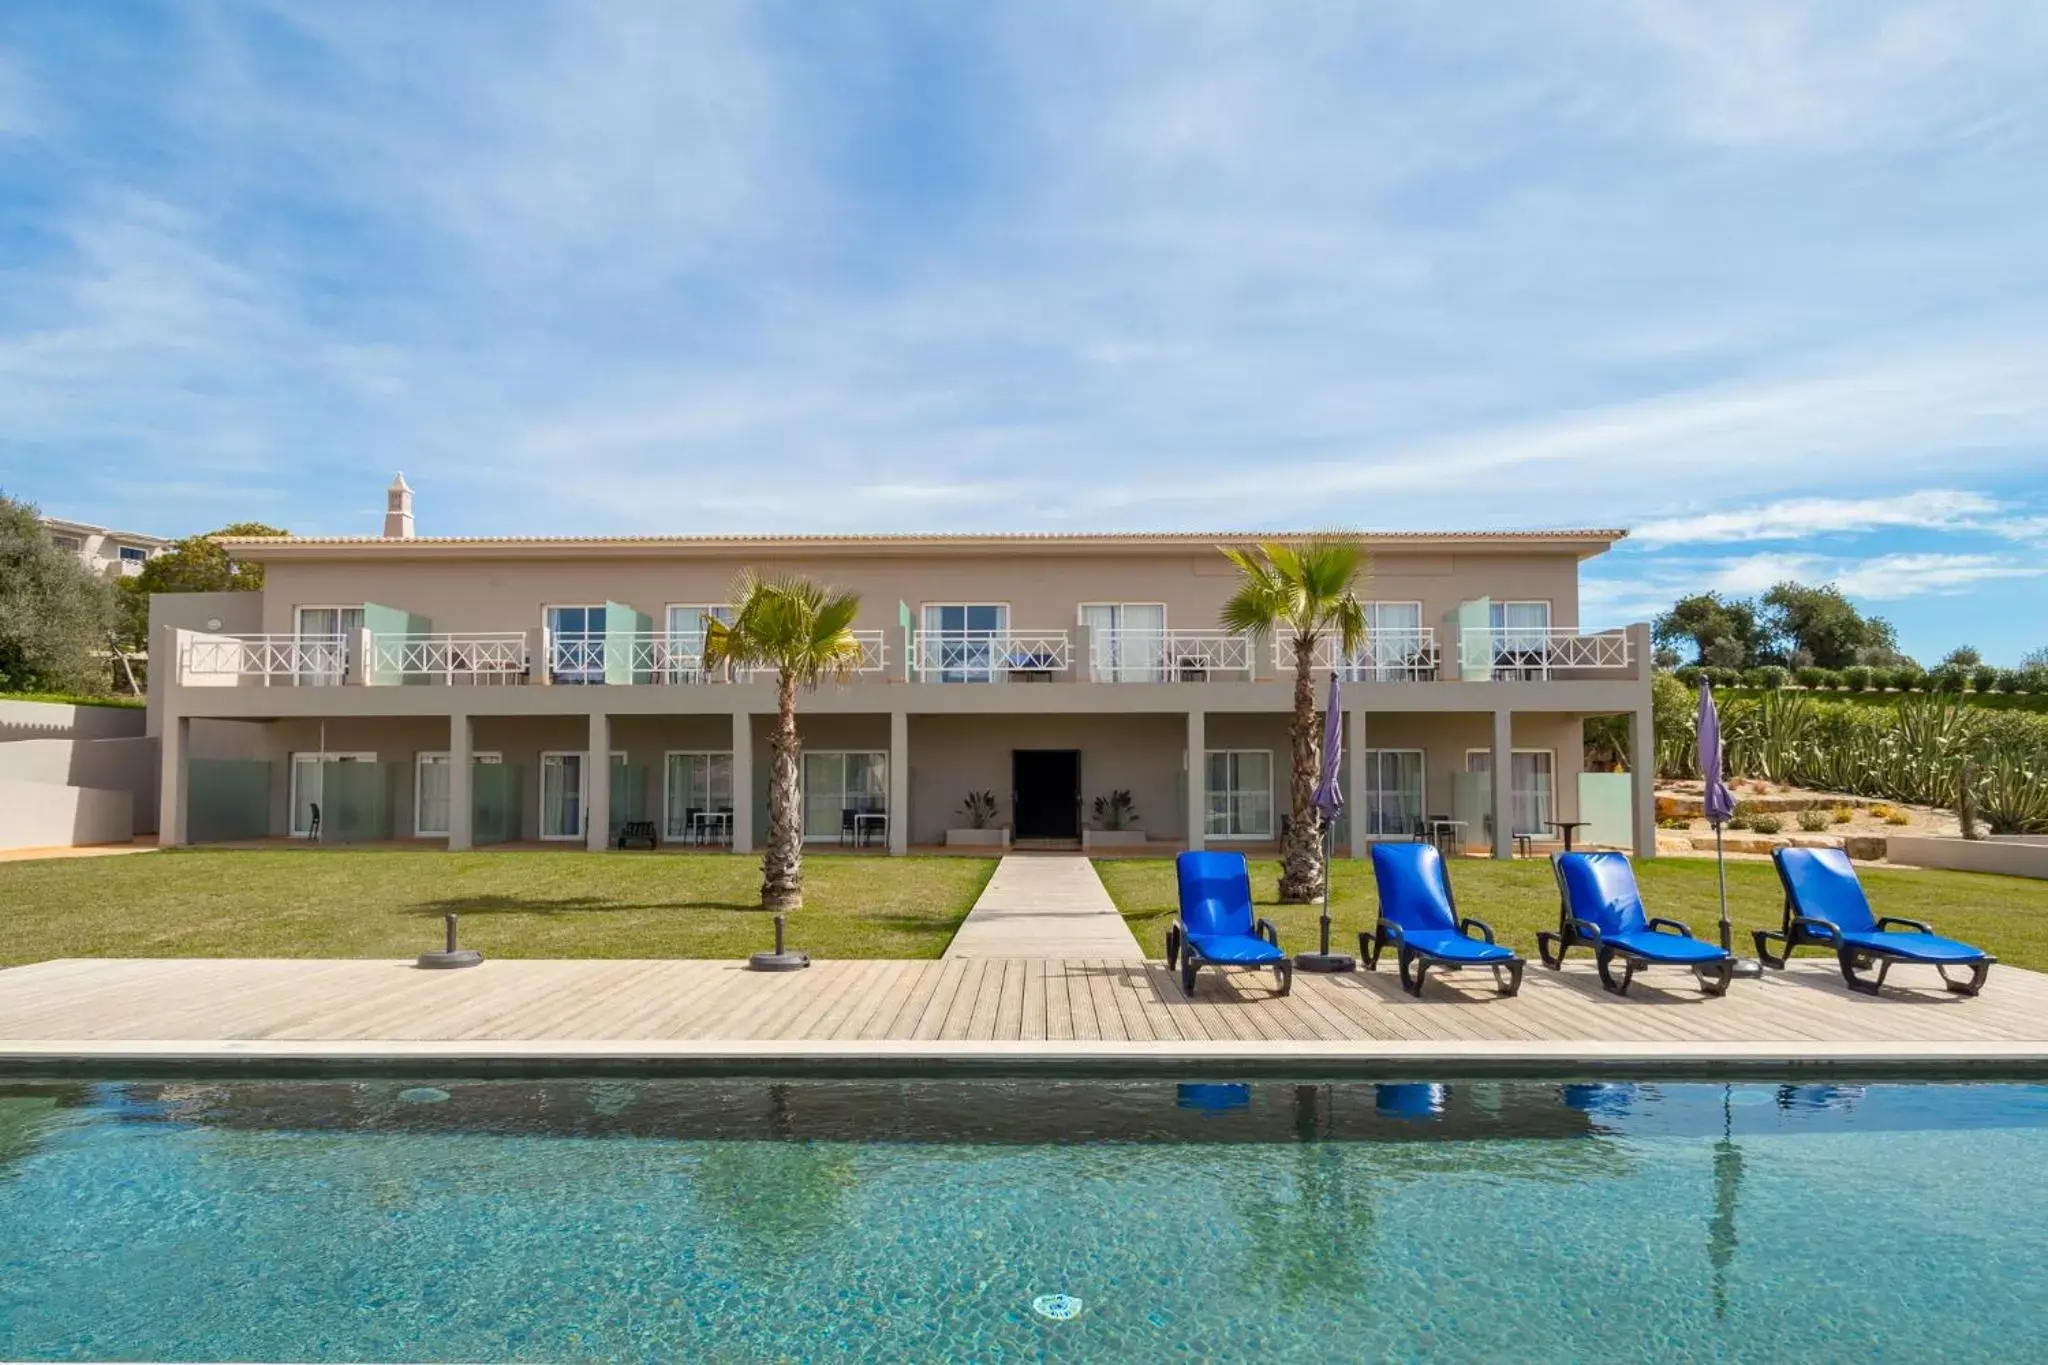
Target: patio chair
x,y
1215,927
1600,908
1419,921
638,832
1825,907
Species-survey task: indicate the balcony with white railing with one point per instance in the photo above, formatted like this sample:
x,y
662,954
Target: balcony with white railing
x,y
1542,653
484,659
992,656
1386,656
265,661
661,659
874,659
1161,656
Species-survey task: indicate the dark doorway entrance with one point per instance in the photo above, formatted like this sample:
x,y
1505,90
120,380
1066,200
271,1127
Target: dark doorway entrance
x,y
1045,793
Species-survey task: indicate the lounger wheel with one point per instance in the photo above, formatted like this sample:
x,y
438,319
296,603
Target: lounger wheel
x,y
1188,968
1605,959
1369,951
1285,971
1980,971
1411,983
1714,980
1550,947
1172,945
1513,984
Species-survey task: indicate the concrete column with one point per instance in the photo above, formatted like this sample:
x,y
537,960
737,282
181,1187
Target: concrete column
x,y
1354,794
899,783
1198,778
742,782
537,656
173,779
1503,783
361,665
597,796
1642,772
1081,647
461,802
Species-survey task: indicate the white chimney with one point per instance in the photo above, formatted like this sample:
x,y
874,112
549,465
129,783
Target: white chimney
x,y
398,510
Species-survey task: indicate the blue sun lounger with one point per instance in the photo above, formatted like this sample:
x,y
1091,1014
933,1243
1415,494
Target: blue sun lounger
x,y
1825,907
1419,921
1215,927
1600,908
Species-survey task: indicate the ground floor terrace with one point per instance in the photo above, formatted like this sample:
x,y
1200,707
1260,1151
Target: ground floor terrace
x,y
891,781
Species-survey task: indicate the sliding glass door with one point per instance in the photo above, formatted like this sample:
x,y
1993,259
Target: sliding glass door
x,y
325,635
1393,644
564,788
1393,793
1128,640
960,642
846,795
576,644
431,789
697,796
308,788
1531,782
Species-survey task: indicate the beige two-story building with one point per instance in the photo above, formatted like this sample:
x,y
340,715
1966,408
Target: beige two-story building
x,y
480,690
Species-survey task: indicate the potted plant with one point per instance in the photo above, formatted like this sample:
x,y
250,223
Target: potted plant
x,y
1116,819
981,831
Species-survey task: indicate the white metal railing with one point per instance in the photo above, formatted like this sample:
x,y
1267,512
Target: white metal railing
x,y
874,656
1386,656
987,656
498,658
1534,653
1155,656
287,660
664,659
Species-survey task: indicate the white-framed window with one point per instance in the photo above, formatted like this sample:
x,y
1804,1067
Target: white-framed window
x,y
75,544
1238,793
846,795
431,790
308,787
1532,786
961,641
1128,640
696,790
686,622
1396,793
575,643
565,791
134,554
337,626
1520,635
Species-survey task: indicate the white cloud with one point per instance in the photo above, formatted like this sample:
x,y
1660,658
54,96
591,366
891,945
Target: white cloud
x,y
1889,578
1798,518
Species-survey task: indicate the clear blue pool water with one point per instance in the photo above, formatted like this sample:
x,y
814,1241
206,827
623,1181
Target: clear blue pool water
x,y
891,1221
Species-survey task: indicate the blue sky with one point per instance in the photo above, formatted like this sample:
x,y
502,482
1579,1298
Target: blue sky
x,y
1764,281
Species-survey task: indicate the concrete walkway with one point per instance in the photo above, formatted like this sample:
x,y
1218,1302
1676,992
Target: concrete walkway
x,y
1045,906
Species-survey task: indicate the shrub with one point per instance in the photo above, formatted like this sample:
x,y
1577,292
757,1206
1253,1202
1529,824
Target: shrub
x,y
2034,680
1725,678
1948,678
1766,824
1673,822
1813,821
980,809
1898,817
1810,676
1689,675
1739,821
1909,678
1769,678
1882,810
1984,678
1842,815
1856,678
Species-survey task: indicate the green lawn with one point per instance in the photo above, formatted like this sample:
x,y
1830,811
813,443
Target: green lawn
x,y
74,699
2006,915
351,903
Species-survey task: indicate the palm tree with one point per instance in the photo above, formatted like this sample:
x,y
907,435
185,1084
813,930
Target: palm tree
x,y
1302,593
805,633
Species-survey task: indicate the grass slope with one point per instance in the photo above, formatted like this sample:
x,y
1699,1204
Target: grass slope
x,y
344,903
2006,915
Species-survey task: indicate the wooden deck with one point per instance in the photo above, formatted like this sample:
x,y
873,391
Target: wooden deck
x,y
1023,1010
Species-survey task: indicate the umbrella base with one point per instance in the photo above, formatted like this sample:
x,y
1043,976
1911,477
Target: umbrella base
x,y
1745,966
1326,962
779,962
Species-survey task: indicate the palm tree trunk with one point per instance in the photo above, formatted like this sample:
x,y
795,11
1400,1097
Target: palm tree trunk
x,y
1301,853
782,864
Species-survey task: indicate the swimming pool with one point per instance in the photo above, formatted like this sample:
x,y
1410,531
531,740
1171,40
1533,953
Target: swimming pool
x,y
998,1220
